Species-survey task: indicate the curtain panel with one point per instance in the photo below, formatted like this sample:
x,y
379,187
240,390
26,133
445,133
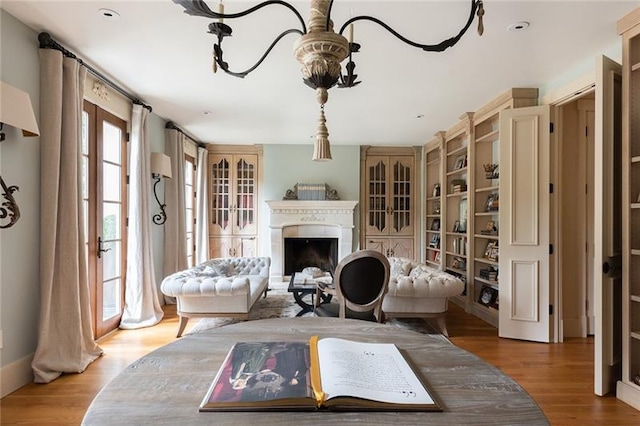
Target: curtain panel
x,y
175,231
65,337
142,304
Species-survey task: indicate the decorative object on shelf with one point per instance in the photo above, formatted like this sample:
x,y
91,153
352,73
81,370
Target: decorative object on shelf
x,y
493,203
311,191
490,229
461,162
489,274
435,224
488,296
459,263
463,215
15,111
458,186
160,167
436,207
491,251
436,190
456,226
491,171
435,241
319,49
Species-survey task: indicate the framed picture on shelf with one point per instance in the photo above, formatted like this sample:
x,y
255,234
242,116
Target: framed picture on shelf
x,y
489,250
461,162
488,296
463,215
456,226
437,257
436,207
435,224
435,241
492,203
436,190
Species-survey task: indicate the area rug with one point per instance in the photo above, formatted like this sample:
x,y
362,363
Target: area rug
x,y
279,303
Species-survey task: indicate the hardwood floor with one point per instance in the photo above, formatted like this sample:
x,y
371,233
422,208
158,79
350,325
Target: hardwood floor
x,y
558,376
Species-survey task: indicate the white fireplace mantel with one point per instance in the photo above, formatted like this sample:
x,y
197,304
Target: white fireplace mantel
x,y
312,219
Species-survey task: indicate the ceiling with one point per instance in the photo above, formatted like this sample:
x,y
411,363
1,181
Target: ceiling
x,y
163,56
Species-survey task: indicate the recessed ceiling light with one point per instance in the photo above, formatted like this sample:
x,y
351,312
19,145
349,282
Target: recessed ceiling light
x,y
207,112
109,14
518,26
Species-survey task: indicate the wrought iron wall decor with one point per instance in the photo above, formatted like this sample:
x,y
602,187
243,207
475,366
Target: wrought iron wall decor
x,y
319,49
8,209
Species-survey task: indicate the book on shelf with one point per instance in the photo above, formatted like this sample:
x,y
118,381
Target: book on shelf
x,y
328,373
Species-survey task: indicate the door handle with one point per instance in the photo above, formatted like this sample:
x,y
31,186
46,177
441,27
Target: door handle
x,y
100,249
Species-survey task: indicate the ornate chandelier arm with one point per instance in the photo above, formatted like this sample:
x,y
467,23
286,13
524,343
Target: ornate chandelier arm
x,y
475,4
225,66
200,8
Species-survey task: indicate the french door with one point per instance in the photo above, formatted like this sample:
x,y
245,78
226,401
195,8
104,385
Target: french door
x,y
104,200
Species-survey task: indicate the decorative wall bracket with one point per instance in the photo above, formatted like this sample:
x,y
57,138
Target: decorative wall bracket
x,y
8,209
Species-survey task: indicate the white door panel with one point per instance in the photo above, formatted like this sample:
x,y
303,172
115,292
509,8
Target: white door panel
x,y
524,218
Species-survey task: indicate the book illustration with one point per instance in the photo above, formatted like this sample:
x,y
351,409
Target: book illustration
x,y
328,373
262,372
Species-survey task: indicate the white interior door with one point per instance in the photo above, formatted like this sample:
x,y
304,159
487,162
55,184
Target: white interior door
x,y
607,226
524,259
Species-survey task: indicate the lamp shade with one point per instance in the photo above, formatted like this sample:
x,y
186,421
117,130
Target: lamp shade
x,y
16,110
160,164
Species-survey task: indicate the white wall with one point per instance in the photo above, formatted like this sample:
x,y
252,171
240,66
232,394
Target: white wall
x,y
20,165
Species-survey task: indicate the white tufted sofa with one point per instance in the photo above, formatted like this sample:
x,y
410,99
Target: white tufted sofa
x,y
226,287
419,291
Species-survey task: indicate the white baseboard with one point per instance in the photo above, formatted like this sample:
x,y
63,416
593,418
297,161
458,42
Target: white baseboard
x,y
16,375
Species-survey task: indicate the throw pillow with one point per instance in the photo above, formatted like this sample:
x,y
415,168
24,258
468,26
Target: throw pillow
x,y
400,267
223,269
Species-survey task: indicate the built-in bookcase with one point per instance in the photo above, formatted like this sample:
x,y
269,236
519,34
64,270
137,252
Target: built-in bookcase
x,y
433,197
628,389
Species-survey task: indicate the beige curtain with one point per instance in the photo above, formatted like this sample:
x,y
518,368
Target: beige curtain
x,y
142,305
202,207
65,338
175,232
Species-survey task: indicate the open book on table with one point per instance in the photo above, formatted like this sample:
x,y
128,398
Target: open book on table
x,y
329,373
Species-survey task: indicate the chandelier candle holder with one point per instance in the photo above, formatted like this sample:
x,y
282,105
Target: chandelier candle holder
x,y
319,49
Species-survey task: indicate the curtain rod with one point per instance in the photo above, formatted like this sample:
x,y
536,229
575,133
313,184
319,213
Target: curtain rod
x,y
47,42
172,125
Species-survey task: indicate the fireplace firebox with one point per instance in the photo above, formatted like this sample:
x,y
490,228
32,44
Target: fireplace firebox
x,y
300,253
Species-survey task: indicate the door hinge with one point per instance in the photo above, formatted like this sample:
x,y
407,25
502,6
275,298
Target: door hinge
x,y
550,248
550,309
127,179
586,131
550,127
550,188
127,136
126,222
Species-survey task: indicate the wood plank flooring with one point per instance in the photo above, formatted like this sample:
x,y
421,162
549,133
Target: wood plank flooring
x,y
558,376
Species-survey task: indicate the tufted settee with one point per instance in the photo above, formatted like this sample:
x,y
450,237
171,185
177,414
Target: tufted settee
x,y
419,291
226,287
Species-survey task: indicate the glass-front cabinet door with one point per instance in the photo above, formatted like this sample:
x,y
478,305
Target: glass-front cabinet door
x,y
389,189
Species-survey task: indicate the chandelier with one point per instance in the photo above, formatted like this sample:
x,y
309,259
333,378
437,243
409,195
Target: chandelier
x,y
319,49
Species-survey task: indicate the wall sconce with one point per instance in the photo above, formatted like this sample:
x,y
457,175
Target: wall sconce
x,y
15,111
160,167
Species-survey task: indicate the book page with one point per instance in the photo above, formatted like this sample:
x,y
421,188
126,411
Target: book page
x,y
374,371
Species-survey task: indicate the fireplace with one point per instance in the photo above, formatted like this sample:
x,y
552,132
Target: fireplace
x,y
310,220
302,252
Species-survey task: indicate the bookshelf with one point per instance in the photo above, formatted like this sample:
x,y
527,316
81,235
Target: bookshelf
x,y
433,186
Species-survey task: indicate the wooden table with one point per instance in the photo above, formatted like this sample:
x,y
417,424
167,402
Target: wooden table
x,y
302,291
167,385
